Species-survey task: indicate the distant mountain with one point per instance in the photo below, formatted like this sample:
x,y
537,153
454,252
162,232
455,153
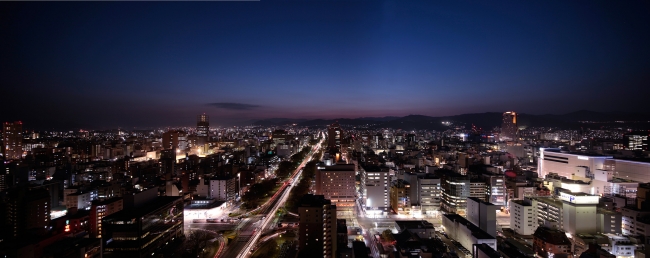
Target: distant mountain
x,y
278,121
324,122
486,121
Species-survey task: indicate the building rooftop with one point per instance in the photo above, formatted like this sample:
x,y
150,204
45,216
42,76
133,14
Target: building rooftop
x,y
153,205
107,201
310,200
487,250
339,167
480,201
476,231
552,236
414,224
522,202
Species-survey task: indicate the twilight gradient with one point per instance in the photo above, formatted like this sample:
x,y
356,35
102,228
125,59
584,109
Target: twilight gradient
x,y
109,64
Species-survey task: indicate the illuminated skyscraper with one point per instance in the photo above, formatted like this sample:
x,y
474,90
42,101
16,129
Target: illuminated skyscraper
x,y
12,140
202,129
509,126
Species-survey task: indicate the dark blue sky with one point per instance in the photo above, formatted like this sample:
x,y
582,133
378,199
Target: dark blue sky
x,y
109,64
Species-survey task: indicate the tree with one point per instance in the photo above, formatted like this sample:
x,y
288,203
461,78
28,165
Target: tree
x,y
195,242
387,235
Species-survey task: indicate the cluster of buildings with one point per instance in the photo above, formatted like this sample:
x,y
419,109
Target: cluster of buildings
x,y
508,192
126,193
558,197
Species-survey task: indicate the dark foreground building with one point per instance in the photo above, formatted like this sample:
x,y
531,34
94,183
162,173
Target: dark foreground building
x,y
142,231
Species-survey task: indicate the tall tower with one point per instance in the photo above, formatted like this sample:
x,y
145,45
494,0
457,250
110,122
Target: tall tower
x,y
509,126
12,140
202,129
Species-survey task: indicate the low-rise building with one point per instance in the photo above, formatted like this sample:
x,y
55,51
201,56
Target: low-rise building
x,y
466,233
400,200
550,242
523,217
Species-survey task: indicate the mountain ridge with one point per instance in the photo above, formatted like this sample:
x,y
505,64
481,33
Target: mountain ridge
x,y
486,120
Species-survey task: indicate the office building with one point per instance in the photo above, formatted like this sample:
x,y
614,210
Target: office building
x,y
455,190
567,164
101,209
580,214
523,217
202,129
375,189
477,189
317,231
466,233
334,136
429,194
496,191
12,140
637,141
509,126
483,215
142,229
338,184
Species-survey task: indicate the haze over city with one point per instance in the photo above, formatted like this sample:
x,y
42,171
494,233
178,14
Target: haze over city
x,y
130,64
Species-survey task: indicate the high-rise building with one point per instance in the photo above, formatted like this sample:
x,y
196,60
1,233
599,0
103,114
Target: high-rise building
x,y
509,126
27,209
12,140
317,228
338,184
202,129
334,136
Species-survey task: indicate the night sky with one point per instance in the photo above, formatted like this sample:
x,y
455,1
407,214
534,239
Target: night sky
x,y
110,64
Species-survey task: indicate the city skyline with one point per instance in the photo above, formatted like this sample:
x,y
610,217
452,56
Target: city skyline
x,y
108,65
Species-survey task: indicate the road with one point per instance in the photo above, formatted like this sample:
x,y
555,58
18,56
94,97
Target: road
x,y
251,229
245,231
285,191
